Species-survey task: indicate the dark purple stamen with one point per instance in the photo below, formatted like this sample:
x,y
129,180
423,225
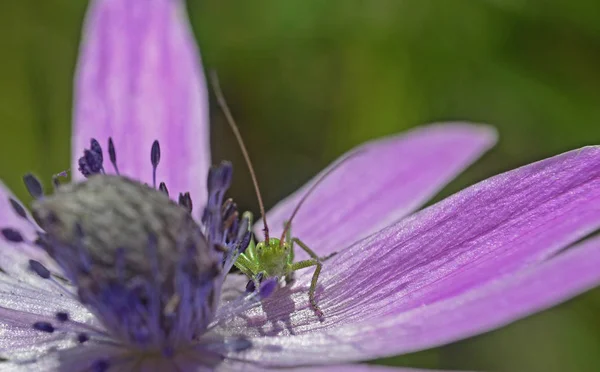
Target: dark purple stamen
x,y
185,200
83,167
62,316
100,365
96,149
251,287
18,208
226,174
82,337
229,207
112,154
220,177
39,269
188,199
155,153
163,187
12,235
267,287
33,185
87,164
43,326
91,161
225,230
245,241
155,159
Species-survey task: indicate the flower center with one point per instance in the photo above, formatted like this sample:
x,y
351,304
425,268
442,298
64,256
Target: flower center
x,y
139,261
134,255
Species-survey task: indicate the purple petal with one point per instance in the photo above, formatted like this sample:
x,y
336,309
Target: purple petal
x,y
75,358
139,79
242,366
473,262
40,303
357,368
22,305
387,180
233,287
11,210
491,306
14,257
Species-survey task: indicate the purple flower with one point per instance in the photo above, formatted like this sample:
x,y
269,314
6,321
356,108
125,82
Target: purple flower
x,y
492,253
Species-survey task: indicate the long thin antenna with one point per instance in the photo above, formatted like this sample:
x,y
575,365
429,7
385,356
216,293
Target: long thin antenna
x,y
221,100
313,188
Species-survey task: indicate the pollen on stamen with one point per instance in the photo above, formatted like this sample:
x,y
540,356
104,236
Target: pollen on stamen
x,y
91,161
33,185
154,159
112,154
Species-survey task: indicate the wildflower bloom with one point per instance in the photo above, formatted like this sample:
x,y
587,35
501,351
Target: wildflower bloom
x,y
489,255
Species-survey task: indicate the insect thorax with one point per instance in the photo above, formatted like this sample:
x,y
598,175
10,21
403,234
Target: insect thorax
x,y
273,257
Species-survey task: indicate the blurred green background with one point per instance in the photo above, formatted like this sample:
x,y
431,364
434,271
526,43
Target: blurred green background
x,y
309,79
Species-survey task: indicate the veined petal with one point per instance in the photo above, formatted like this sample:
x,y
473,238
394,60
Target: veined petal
x,y
32,301
233,287
473,262
358,368
243,366
139,79
383,181
22,305
75,358
491,306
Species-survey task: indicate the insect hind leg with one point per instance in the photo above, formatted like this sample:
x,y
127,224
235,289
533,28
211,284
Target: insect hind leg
x,y
315,261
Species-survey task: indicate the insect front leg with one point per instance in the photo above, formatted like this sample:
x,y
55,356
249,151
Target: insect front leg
x,y
288,239
246,266
315,261
289,277
250,250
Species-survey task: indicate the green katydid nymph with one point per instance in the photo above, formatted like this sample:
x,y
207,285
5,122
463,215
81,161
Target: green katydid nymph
x,y
273,257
